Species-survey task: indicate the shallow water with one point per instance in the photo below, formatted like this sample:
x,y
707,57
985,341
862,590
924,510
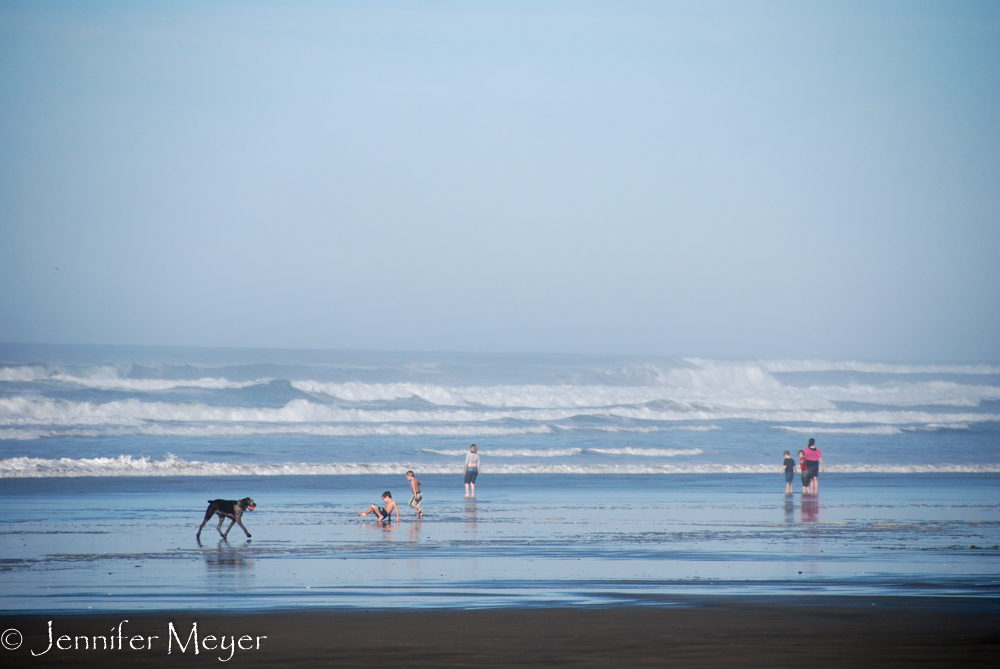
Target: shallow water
x,y
129,543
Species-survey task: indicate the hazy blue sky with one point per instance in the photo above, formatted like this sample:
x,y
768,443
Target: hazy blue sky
x,y
713,179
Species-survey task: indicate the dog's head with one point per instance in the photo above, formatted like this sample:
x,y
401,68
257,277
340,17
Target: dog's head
x,y
248,504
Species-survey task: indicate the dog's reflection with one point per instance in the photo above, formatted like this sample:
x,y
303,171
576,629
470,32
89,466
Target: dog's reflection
x,y
228,558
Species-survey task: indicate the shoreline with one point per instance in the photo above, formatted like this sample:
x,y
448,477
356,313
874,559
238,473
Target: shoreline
x,y
855,631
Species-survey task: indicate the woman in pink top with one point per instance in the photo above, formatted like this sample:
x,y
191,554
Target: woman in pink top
x,y
814,460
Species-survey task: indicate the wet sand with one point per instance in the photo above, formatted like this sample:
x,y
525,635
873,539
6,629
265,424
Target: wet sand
x,y
850,631
79,545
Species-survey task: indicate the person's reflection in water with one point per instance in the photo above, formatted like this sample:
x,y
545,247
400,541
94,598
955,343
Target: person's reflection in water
x,y
472,535
789,510
471,515
385,530
413,562
414,530
810,510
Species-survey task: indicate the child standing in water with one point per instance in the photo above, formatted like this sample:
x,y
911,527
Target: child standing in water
x,y
471,470
417,495
789,468
804,469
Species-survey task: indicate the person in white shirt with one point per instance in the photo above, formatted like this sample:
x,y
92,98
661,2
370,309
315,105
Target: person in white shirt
x,y
471,471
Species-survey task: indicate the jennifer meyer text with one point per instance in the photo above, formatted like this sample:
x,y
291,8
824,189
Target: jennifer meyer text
x,y
175,640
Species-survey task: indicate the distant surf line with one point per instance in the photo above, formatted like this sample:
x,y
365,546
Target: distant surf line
x,y
567,452
30,411
127,466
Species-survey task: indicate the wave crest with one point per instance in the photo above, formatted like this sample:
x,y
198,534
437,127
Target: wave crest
x,y
508,452
647,452
126,465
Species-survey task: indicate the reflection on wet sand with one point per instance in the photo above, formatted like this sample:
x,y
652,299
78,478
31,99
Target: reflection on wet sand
x,y
228,558
471,515
413,535
810,510
582,544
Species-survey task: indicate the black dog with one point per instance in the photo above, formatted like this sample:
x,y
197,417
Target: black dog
x,y
227,508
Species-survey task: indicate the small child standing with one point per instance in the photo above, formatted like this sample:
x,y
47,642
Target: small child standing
x,y
384,512
789,468
417,495
804,469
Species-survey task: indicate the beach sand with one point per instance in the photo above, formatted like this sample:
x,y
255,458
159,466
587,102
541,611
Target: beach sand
x,y
851,631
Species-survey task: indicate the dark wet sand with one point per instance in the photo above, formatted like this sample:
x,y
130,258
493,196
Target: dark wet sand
x,y
838,632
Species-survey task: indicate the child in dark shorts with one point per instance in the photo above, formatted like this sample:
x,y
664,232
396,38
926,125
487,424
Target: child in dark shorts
x,y
383,512
814,461
788,467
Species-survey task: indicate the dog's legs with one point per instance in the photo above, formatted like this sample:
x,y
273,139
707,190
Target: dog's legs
x,y
226,535
222,519
244,528
208,517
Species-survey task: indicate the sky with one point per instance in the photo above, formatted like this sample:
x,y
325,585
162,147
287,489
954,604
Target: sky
x,y
715,179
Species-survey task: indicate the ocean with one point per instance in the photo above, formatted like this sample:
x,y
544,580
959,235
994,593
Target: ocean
x,y
603,478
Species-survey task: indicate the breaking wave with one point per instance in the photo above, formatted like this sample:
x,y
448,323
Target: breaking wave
x,y
509,452
753,392
109,378
33,411
309,429
647,452
171,466
710,386
875,429
873,367
234,396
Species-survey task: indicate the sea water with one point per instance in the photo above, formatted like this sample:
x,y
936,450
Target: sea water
x,y
603,479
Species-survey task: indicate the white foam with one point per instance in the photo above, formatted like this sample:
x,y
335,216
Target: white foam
x,y
498,397
22,373
612,429
38,415
109,378
934,427
873,367
640,430
156,385
875,430
693,395
508,452
307,429
722,389
912,469
701,389
647,452
171,466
